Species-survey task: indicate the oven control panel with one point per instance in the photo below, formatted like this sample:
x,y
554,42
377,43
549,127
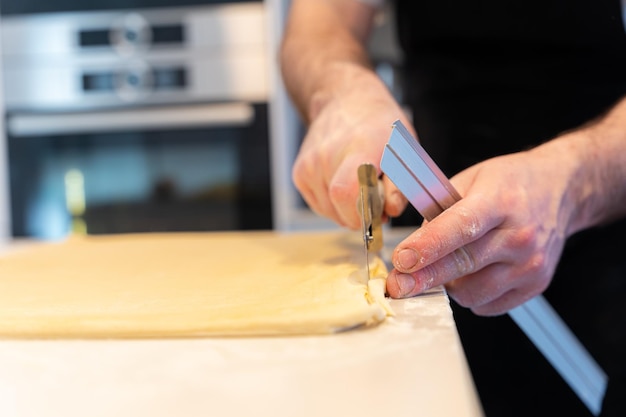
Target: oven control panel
x,y
86,60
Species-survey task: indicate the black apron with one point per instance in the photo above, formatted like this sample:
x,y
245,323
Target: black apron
x,y
489,77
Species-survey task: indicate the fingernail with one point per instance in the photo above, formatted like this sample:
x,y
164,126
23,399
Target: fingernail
x,y
406,283
406,259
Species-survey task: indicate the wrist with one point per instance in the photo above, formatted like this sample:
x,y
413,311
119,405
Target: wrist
x,y
581,194
591,160
340,80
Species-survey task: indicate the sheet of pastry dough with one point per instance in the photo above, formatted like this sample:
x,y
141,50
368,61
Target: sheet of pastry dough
x,y
189,285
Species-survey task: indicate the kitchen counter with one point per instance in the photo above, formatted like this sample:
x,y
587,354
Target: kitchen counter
x,y
411,364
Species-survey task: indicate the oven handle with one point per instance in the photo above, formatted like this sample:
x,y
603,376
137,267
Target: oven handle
x,y
205,115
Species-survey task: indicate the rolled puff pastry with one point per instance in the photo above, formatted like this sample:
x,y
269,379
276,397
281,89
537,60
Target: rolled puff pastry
x,y
190,285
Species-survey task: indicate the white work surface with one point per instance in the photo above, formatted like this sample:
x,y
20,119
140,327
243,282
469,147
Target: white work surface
x,y
411,365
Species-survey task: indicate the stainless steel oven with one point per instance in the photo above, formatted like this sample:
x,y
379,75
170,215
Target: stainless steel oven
x,y
136,115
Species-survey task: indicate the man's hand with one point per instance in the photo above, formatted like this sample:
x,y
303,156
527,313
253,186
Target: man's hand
x,y
499,245
347,108
349,129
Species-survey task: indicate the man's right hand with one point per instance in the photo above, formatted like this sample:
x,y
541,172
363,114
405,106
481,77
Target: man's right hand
x,y
349,128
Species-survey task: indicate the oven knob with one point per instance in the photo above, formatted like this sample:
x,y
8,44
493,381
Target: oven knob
x,y
130,34
134,82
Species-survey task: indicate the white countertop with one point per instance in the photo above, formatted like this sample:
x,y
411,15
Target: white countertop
x,y
412,364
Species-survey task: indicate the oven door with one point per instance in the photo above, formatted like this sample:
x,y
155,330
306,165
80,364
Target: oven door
x,y
153,169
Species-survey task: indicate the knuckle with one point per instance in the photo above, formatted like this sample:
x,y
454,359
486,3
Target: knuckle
x,y
537,263
343,202
426,277
300,173
523,238
338,192
469,224
464,261
539,268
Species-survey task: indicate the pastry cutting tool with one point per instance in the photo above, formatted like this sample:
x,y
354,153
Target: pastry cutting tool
x,y
371,208
421,181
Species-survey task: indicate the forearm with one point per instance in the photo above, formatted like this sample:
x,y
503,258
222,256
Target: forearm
x,y
323,50
597,187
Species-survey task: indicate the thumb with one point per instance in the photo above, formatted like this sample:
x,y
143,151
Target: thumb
x,y
395,202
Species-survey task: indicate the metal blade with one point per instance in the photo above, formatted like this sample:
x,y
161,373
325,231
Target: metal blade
x,y
371,208
365,229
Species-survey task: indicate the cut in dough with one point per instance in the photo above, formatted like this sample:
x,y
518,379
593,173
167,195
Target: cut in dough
x,y
190,285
